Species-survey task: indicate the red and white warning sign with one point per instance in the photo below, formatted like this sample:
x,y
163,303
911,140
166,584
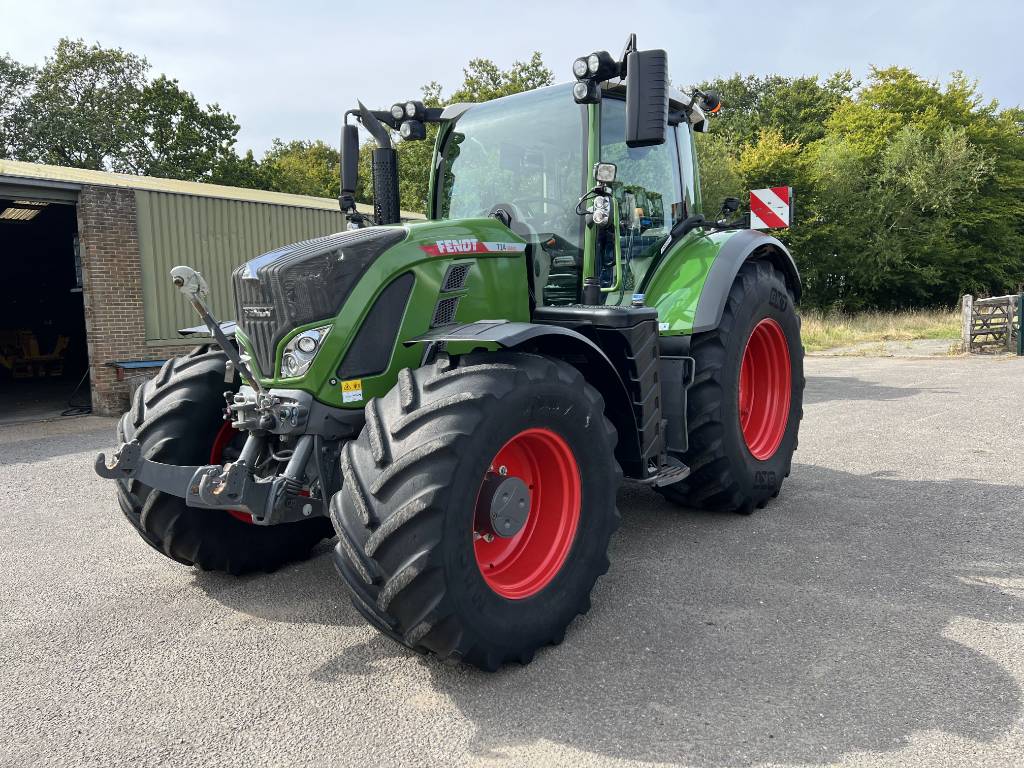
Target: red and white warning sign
x,y
771,208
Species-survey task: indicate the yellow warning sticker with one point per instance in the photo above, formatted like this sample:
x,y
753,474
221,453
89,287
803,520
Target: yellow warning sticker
x,y
352,391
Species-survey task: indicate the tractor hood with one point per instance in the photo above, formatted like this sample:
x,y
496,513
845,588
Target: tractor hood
x,y
366,292
302,283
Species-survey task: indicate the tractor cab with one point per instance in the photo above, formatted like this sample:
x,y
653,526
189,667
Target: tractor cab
x,y
531,160
526,159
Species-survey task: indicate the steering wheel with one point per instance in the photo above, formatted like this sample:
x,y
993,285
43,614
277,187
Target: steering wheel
x,y
524,202
517,222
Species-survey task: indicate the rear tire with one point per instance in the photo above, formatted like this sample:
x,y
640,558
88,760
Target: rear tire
x,y
176,417
407,513
737,463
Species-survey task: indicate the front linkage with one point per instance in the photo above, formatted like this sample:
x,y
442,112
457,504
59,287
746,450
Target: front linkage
x,y
293,415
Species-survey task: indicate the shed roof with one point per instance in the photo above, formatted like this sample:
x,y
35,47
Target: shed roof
x,y
37,174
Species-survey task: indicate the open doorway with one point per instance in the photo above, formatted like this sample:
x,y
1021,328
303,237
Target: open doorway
x,y
43,354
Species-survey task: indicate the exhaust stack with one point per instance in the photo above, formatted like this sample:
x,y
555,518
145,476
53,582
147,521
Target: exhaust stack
x,y
386,207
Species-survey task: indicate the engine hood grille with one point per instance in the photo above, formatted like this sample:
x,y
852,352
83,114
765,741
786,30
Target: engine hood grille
x,y
302,283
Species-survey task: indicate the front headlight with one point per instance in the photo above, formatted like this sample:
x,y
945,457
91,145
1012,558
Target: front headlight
x,y
301,350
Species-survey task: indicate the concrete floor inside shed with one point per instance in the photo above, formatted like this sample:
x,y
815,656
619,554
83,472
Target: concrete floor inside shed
x,y
40,399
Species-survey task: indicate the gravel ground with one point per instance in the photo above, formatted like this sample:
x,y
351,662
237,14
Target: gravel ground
x,y
871,615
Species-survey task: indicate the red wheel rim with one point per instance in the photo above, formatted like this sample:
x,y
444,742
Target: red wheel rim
x,y
521,566
765,388
225,436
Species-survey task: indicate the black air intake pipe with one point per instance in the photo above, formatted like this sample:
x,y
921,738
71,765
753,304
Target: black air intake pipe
x,y
386,209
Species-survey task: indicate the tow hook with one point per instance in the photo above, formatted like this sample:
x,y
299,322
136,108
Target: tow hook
x,y
121,465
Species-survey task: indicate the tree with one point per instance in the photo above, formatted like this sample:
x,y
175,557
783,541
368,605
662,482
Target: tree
x,y
81,106
15,82
917,186
236,170
908,191
796,107
764,116
483,80
885,228
303,168
94,107
719,176
173,136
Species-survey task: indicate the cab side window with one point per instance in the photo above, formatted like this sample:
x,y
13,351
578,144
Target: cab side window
x,y
691,190
649,195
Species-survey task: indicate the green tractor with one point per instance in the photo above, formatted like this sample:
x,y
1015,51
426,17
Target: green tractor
x,y
459,399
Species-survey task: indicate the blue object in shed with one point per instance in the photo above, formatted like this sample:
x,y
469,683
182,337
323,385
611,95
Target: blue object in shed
x,y
133,365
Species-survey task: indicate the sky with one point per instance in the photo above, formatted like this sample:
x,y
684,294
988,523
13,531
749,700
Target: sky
x,y
289,70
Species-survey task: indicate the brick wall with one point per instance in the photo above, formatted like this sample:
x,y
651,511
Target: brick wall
x,y
112,291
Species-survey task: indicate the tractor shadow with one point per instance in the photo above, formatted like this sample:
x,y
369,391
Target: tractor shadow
x,y
825,389
308,592
832,621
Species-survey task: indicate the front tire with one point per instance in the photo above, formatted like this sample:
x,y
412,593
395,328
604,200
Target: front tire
x,y
412,518
177,417
746,401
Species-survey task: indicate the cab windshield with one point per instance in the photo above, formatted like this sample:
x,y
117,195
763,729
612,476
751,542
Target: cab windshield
x,y
523,153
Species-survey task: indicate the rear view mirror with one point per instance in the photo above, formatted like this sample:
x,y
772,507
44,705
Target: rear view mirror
x,y
647,87
349,166
730,205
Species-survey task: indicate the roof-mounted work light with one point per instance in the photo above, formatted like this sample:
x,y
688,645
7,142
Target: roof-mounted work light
x,y
409,118
413,130
586,92
598,66
591,70
414,110
601,66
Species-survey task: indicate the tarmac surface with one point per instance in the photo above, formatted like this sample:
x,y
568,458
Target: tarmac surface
x,y
872,615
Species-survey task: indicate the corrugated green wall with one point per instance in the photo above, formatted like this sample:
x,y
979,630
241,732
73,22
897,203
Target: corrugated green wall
x,y
213,236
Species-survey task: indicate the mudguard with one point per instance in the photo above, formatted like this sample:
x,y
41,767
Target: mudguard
x,y
745,244
227,327
564,344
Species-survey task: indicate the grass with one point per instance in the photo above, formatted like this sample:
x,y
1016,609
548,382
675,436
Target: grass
x,y
828,330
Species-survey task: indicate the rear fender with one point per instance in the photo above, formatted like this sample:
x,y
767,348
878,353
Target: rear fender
x,y
690,285
745,245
